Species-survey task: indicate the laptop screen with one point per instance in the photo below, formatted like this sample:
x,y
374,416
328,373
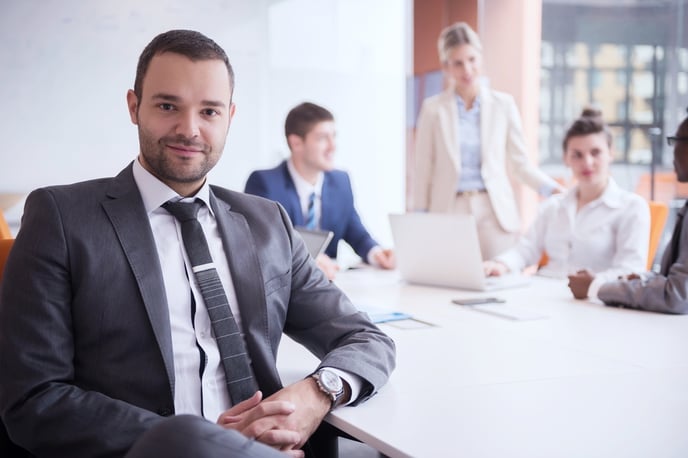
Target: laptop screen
x,y
316,241
442,249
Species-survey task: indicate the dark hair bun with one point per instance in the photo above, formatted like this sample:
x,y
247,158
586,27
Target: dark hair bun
x,y
589,112
589,122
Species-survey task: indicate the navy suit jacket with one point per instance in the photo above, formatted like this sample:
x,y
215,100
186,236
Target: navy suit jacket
x,y
338,212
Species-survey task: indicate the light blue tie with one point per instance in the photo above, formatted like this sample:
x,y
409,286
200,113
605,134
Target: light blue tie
x,y
310,212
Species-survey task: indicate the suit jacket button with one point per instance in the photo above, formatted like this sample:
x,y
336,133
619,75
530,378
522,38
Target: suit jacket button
x,y
165,412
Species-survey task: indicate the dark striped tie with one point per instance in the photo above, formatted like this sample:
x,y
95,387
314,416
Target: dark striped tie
x,y
310,212
235,360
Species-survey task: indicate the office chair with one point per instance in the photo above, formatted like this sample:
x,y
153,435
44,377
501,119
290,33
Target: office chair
x,y
7,448
5,232
658,216
5,247
544,259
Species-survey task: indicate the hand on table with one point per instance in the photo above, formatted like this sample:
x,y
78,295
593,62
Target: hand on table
x,y
629,277
579,283
327,265
494,268
385,259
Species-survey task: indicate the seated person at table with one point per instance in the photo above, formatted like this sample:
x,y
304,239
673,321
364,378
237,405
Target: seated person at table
x,y
595,225
666,291
315,195
141,315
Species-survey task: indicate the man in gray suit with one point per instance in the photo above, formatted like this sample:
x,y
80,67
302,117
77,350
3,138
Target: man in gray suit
x,y
667,291
105,344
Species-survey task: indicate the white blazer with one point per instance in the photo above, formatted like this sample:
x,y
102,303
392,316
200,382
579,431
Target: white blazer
x,y
437,160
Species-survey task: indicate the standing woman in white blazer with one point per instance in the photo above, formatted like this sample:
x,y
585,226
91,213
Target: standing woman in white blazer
x,y
466,138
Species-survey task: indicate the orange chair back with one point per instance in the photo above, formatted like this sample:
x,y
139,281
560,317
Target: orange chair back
x,y
544,259
5,247
5,232
658,216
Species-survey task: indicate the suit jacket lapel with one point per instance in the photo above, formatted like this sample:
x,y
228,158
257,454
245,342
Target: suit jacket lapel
x,y
130,221
486,107
292,204
449,118
327,204
248,282
671,253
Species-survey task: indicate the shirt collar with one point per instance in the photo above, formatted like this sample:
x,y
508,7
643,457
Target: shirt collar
x,y
303,187
611,197
155,193
462,104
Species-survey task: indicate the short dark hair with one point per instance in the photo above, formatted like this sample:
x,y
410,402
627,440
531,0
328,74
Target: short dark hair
x,y
589,122
303,117
188,43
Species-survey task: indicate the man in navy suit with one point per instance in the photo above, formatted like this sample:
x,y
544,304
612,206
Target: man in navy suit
x,y
314,194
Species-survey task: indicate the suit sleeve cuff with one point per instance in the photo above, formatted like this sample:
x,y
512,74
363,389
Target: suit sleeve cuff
x,y
355,383
595,286
370,258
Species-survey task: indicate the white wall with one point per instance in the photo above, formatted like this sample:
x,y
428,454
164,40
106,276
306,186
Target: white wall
x,y
67,66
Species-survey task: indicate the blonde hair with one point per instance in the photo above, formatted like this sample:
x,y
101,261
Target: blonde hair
x,y
457,34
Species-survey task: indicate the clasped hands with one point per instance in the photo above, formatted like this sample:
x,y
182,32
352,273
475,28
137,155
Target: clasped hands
x,y
284,420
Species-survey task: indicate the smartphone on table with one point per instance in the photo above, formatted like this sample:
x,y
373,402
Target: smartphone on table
x,y
478,300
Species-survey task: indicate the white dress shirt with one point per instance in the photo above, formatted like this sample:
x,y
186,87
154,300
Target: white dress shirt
x,y
194,393
468,132
608,236
304,189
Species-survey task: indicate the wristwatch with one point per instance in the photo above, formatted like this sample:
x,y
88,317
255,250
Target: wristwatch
x,y
331,384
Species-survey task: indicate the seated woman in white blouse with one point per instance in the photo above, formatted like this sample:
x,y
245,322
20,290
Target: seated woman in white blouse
x,y
594,226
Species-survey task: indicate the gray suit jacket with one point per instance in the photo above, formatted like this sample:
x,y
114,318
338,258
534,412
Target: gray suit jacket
x,y
85,345
666,292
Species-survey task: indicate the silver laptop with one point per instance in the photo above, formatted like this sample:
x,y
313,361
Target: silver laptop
x,y
316,241
440,249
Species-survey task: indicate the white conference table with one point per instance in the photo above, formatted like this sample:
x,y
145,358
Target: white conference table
x,y
583,381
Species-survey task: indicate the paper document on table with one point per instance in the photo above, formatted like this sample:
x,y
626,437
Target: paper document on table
x,y
379,315
397,319
384,317
411,323
509,311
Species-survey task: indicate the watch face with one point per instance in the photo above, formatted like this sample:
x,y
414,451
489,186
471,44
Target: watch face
x,y
331,381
